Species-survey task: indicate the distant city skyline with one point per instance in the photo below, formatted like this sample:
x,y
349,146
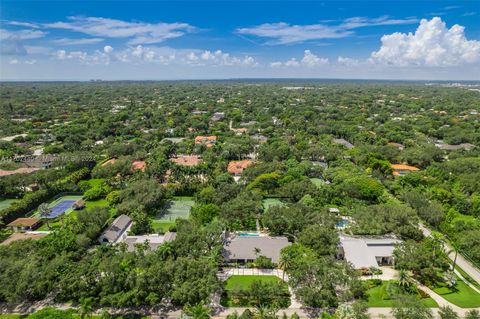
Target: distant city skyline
x,y
166,40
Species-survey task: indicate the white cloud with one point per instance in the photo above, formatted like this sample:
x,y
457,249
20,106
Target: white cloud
x,y
14,61
312,60
21,34
97,57
108,49
309,60
23,24
345,61
432,44
30,62
82,41
137,32
284,33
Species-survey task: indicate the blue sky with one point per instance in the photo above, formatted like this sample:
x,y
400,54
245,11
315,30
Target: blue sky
x,y
113,40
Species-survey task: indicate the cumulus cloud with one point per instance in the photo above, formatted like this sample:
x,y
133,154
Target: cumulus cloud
x,y
284,33
309,60
345,61
432,44
97,57
136,32
108,49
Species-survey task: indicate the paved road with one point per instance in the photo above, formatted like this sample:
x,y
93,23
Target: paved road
x,y
466,266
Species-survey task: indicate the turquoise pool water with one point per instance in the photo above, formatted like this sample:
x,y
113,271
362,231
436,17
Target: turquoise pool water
x,y
342,223
248,235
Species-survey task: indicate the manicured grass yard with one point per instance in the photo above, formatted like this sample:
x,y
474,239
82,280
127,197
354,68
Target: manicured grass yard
x,y
378,297
244,282
464,296
161,226
269,202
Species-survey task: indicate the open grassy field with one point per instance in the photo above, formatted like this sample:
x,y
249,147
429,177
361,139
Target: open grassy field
x,y
5,203
378,297
269,202
463,296
244,282
179,207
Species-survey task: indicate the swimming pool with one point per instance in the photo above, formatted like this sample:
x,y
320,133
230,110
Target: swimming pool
x,y
248,235
342,224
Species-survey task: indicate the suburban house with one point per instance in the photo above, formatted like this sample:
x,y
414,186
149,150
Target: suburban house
x,y
343,142
186,160
136,165
455,147
365,252
24,224
218,116
244,248
209,141
236,167
153,240
402,169
117,231
240,131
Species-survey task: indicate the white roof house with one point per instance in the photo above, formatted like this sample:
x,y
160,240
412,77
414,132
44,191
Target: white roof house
x,y
364,252
238,247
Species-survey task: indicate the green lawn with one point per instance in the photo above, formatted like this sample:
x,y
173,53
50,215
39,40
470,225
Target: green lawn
x,y
464,296
244,282
161,226
269,202
5,203
379,297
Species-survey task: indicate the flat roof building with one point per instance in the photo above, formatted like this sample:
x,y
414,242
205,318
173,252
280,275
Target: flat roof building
x,y
365,252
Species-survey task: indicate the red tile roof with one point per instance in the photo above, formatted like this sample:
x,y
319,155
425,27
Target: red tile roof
x,y
237,167
186,160
208,140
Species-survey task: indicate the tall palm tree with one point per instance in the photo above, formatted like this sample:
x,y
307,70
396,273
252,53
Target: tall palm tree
x,y
45,212
85,308
285,263
198,311
404,279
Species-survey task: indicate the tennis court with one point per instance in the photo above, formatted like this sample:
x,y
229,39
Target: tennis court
x,y
5,203
177,208
62,205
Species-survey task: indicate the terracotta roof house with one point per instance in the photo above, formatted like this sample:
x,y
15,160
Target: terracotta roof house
x,y
117,231
22,236
139,166
238,248
136,165
24,224
186,160
240,130
21,170
237,167
402,169
209,141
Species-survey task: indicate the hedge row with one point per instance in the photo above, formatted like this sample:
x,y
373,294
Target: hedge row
x,y
32,200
